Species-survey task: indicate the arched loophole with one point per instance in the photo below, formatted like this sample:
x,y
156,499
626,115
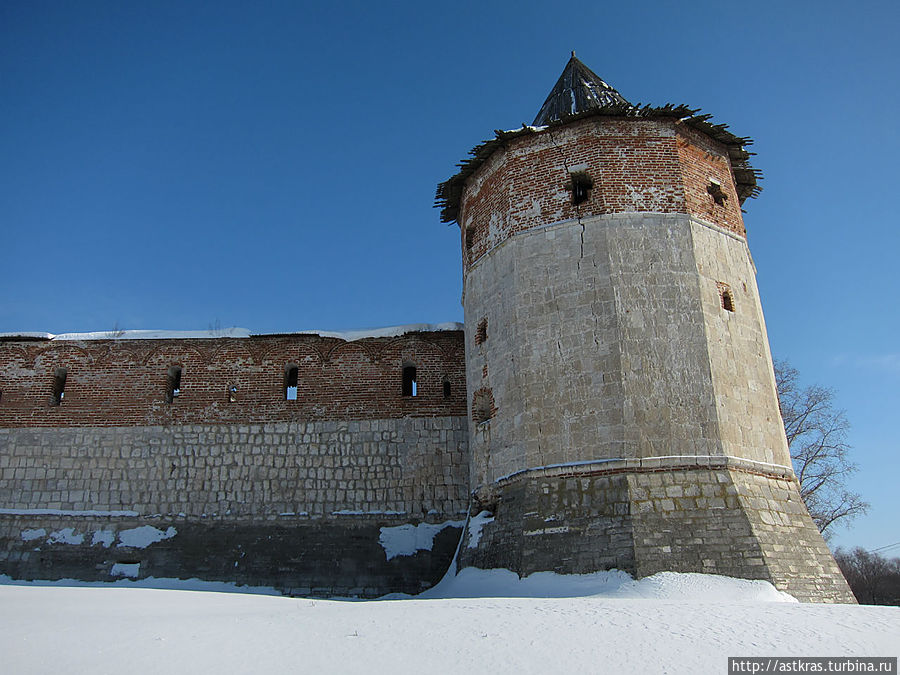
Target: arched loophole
x,y
410,385
291,376
59,386
173,384
726,296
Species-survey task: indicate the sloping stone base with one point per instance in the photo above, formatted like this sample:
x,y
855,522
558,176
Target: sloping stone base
x,y
725,521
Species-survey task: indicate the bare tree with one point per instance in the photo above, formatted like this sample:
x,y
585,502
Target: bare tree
x,y
874,579
817,437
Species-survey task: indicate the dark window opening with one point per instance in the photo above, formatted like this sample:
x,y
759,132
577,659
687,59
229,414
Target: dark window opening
x,y
727,301
470,237
291,374
173,386
59,385
718,194
725,296
410,387
580,185
481,332
232,394
446,388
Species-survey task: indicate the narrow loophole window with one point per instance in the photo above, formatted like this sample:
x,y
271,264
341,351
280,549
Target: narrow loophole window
x,y
727,301
410,386
581,184
232,394
718,194
470,238
173,386
446,388
290,383
59,385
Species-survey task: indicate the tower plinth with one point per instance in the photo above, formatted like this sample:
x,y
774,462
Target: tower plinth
x,y
622,402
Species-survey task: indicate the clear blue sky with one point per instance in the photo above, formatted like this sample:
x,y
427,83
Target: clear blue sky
x,y
272,165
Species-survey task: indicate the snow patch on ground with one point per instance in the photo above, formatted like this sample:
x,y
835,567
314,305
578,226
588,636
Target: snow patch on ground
x,y
104,538
682,587
157,583
65,536
142,537
408,539
31,535
475,526
233,332
130,570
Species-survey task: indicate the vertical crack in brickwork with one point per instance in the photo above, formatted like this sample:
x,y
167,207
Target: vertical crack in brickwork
x,y
576,206
540,446
581,257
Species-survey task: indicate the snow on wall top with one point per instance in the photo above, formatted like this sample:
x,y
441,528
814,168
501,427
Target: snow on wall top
x,y
132,334
234,332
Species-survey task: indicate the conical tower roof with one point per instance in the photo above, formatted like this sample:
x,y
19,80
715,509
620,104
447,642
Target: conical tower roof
x,y
577,90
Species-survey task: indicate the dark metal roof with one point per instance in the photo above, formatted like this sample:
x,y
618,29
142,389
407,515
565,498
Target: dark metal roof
x,y
746,178
578,89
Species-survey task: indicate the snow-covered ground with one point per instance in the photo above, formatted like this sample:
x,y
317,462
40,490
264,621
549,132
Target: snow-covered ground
x,y
476,622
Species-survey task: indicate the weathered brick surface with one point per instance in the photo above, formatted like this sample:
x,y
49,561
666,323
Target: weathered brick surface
x,y
637,166
124,382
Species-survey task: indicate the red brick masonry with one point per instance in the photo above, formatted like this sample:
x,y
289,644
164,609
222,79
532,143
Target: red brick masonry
x,y
125,382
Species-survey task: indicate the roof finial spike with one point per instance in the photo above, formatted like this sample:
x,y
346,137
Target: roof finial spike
x,y
577,90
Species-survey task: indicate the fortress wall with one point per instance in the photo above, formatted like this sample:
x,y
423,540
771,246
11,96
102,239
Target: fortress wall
x,y
550,360
701,160
716,520
669,407
308,499
408,466
622,350
743,379
124,382
260,490
324,558
636,165
524,185
602,356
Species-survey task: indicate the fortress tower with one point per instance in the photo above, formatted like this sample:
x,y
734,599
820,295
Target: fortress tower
x,y
623,411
